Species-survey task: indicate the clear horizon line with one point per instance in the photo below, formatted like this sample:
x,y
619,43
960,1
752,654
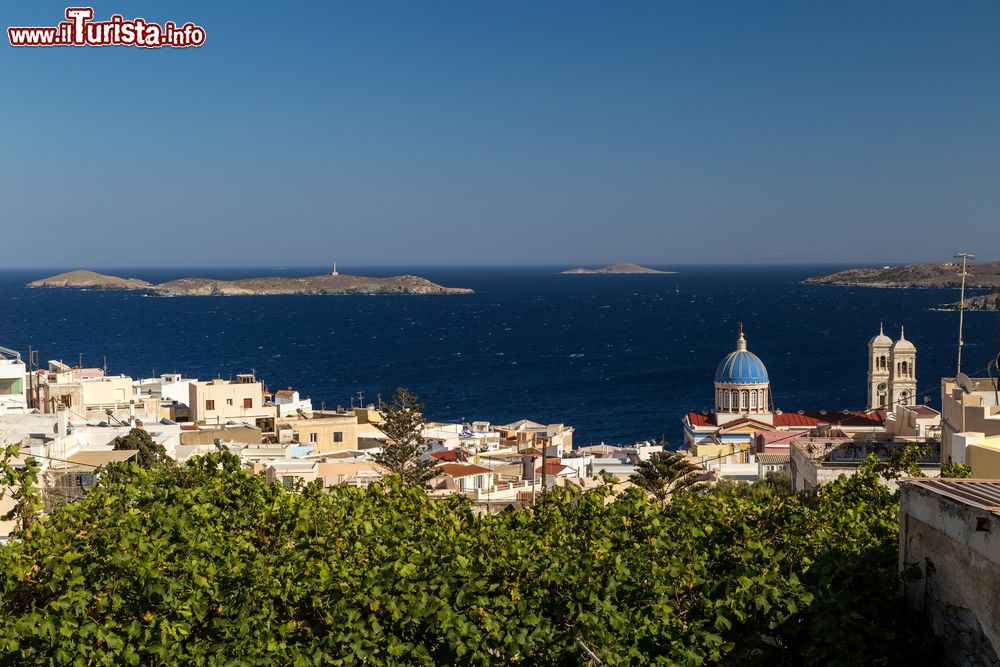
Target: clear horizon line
x,y
65,268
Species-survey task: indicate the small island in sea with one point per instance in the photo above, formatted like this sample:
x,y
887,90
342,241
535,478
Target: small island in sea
x,y
615,268
914,275
930,275
990,301
332,283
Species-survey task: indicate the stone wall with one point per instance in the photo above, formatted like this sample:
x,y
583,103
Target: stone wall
x,y
956,549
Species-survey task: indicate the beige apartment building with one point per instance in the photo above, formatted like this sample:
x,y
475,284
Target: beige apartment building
x,y
324,430
90,395
241,400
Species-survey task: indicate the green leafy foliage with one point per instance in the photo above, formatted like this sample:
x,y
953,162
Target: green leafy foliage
x,y
150,453
903,462
955,470
205,564
19,481
402,424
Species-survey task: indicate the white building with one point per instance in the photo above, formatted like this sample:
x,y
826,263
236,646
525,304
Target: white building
x,y
287,402
13,397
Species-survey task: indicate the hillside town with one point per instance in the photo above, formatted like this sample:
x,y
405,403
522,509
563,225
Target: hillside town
x,y
69,417
72,420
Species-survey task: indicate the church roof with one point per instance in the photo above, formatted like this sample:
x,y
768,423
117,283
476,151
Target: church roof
x,y
902,343
741,366
881,340
856,419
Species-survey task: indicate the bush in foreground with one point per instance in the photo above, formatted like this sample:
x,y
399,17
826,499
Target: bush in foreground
x,y
206,564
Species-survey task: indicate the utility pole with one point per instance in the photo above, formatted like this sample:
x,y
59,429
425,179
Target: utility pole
x,y
31,380
965,257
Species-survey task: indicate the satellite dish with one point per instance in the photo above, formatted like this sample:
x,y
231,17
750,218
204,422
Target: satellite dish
x,y
965,383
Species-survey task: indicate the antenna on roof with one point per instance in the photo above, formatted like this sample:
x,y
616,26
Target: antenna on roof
x,y
965,257
964,382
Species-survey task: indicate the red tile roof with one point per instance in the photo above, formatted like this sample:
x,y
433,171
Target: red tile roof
x,y
872,419
701,418
554,469
462,469
450,455
856,418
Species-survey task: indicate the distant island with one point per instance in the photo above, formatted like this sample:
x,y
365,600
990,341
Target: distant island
x,y
914,275
332,283
615,268
983,302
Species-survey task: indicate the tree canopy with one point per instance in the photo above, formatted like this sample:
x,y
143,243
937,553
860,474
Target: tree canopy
x,y
205,564
402,424
666,473
150,452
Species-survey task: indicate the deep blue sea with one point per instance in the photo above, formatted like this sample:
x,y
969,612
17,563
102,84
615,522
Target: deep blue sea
x,y
621,358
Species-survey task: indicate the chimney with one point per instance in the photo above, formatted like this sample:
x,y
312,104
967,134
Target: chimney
x,y
62,421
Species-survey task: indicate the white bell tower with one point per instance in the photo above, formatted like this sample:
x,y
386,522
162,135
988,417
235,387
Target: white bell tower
x,y
903,371
879,354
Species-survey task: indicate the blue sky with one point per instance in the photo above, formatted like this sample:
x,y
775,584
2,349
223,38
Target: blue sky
x,y
507,133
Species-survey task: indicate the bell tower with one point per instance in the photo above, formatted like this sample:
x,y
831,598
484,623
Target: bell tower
x,y
879,353
903,371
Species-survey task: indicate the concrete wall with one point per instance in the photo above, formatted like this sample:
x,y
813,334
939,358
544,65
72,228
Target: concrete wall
x,y
984,459
960,565
207,436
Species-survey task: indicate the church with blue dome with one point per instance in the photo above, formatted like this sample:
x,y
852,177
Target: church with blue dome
x,y
744,405
742,387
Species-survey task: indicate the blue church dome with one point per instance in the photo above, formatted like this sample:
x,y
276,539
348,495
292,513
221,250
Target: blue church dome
x,y
741,366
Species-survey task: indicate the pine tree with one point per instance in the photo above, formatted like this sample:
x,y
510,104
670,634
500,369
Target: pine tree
x,y
403,423
665,473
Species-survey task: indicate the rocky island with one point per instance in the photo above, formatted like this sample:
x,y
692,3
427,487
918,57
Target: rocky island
x,y
990,301
333,283
914,275
82,279
615,268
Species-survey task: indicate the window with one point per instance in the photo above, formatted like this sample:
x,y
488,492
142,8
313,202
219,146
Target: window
x,y
287,481
338,436
313,437
209,405
753,400
229,401
247,403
